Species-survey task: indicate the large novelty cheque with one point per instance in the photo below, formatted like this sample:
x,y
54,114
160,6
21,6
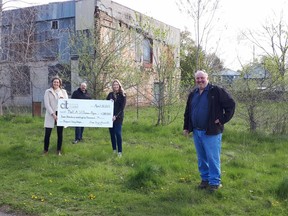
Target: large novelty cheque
x,y
85,113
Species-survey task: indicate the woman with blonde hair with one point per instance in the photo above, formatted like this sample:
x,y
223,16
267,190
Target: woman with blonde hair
x,y
119,97
51,97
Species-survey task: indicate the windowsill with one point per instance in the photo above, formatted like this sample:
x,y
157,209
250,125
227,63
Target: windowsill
x,y
147,65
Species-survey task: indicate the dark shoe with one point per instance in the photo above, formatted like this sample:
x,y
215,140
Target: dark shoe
x,y
213,188
203,185
76,141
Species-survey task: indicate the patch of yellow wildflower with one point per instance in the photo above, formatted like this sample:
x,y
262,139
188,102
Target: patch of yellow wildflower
x,y
91,196
275,203
34,197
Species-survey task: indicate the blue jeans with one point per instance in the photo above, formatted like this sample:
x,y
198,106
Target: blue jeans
x,y
208,149
79,133
116,136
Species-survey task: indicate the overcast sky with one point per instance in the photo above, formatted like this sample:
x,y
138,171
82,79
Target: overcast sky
x,y
234,17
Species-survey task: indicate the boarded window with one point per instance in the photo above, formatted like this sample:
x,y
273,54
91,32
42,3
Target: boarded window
x,y
20,81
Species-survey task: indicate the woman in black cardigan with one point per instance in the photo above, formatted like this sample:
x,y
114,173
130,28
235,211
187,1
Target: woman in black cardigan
x,y
119,98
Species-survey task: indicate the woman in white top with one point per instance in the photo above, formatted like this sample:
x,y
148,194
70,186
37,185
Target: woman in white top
x,y
51,104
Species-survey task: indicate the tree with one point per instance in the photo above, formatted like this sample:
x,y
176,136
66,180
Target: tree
x,y
17,45
258,104
137,54
24,42
104,54
188,52
188,59
202,13
273,42
164,73
167,77
213,63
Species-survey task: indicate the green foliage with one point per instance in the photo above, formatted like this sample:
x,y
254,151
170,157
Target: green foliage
x,y
260,101
164,76
190,62
100,59
157,174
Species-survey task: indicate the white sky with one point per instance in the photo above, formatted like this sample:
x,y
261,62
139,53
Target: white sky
x,y
235,15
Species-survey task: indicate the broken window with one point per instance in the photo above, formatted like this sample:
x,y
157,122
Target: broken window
x,y
55,24
147,51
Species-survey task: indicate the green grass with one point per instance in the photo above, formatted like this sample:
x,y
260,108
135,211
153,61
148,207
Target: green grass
x,y
157,174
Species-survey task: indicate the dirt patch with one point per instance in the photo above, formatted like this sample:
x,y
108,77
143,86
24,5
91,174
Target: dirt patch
x,y
5,210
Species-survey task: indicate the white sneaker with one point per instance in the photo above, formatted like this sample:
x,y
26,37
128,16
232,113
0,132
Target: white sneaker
x,y
114,151
119,154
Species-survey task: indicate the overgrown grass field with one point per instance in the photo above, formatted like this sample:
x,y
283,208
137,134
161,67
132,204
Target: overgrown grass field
x,y
157,174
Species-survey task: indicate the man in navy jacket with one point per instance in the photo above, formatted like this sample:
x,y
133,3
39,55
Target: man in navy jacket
x,y
80,93
208,108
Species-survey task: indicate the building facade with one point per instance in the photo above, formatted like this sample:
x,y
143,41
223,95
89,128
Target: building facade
x,y
36,45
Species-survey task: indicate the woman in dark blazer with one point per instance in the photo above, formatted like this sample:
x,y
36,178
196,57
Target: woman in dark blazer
x,y
119,97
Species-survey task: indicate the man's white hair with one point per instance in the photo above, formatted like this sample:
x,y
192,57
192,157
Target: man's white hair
x,y
201,71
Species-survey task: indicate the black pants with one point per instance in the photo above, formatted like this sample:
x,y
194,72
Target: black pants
x,y
59,138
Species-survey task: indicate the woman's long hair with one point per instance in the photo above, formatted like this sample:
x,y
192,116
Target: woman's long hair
x,y
121,89
60,81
